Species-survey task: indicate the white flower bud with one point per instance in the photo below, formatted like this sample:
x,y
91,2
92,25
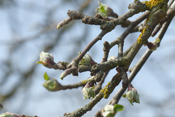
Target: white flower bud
x,y
111,110
108,111
46,59
88,90
132,95
88,93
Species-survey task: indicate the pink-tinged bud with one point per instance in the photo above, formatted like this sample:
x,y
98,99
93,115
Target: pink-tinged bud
x,y
132,95
46,59
88,90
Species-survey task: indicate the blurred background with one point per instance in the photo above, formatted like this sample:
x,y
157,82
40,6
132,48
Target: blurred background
x,y
29,27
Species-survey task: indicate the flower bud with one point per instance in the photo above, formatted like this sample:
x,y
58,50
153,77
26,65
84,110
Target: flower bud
x,y
111,110
86,60
108,111
88,90
132,95
46,59
105,11
51,84
102,10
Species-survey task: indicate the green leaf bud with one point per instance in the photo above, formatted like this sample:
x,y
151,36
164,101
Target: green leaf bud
x,y
51,84
102,10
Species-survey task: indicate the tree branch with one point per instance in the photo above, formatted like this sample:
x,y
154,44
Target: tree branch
x,y
140,63
105,92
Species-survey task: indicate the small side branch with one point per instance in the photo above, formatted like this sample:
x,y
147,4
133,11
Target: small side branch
x,y
129,29
106,50
105,92
73,66
140,63
72,86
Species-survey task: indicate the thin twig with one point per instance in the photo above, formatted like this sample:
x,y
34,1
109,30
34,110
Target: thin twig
x,y
129,29
106,50
73,66
105,92
165,19
138,66
98,87
105,26
88,47
72,86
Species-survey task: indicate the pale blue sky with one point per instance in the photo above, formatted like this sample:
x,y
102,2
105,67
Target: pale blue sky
x,y
155,81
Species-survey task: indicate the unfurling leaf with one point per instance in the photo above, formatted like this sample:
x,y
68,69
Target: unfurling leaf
x,y
102,10
46,77
52,85
118,107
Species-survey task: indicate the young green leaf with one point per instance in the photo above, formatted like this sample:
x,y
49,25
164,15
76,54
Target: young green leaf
x,y
118,107
38,62
102,10
46,77
124,95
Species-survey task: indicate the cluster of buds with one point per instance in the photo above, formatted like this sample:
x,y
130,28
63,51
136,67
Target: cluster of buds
x,y
46,60
51,84
132,95
88,90
111,110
